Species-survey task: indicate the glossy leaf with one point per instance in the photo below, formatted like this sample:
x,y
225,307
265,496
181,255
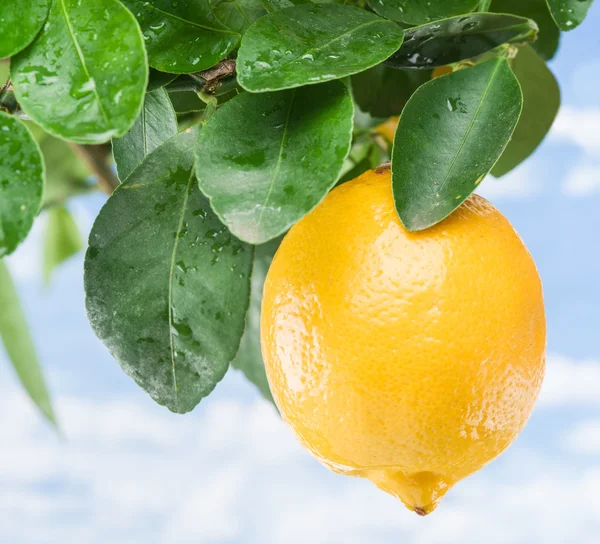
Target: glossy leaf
x,y
450,135
19,346
19,24
313,43
287,153
84,76
238,15
549,34
62,240
541,101
383,91
156,124
418,12
21,182
249,358
569,14
167,286
186,101
459,38
184,36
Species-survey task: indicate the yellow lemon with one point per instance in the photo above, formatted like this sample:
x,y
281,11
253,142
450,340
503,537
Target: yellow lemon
x,y
410,359
388,129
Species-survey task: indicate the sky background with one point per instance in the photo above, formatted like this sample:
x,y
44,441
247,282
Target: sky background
x,y
127,470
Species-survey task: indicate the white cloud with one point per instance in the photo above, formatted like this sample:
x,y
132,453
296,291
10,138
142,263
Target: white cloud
x,y
584,438
582,180
570,382
578,126
129,471
517,184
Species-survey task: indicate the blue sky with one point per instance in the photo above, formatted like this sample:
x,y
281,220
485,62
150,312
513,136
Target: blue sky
x,y
129,471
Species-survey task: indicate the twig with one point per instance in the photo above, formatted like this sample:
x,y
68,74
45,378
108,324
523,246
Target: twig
x,y
97,158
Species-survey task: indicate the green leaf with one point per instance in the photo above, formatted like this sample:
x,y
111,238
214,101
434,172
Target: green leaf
x,y
184,36
19,24
418,12
450,135
459,38
312,43
569,14
265,160
238,15
84,76
541,101
186,101
549,34
19,346
21,182
67,174
157,79
62,240
167,286
249,358
383,91
155,125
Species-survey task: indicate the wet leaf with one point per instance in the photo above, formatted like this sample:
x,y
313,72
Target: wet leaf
x,y
21,182
19,26
418,12
167,286
62,240
459,38
157,79
287,154
569,14
249,358
84,76
450,135
156,124
184,36
238,15
383,91
19,346
312,43
549,34
541,101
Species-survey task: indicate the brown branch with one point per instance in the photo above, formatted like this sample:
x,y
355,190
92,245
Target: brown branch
x,y
97,157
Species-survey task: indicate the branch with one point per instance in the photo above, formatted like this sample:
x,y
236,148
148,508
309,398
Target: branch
x,y
97,157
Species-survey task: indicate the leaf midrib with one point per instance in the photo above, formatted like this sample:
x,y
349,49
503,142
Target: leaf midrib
x,y
82,59
193,23
470,127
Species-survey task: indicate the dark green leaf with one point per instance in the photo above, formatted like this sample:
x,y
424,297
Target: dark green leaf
x,y
19,24
157,79
62,240
155,125
549,34
287,153
167,286
183,36
569,14
541,100
84,76
19,346
186,101
450,134
418,12
249,358
21,182
459,38
311,43
383,91
238,15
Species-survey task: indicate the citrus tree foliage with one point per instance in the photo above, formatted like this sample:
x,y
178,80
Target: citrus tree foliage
x,y
215,125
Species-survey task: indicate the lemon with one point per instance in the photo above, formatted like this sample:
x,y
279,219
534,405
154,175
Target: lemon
x,y
410,359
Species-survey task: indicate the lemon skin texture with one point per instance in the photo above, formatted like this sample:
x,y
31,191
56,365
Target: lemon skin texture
x,y
410,359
